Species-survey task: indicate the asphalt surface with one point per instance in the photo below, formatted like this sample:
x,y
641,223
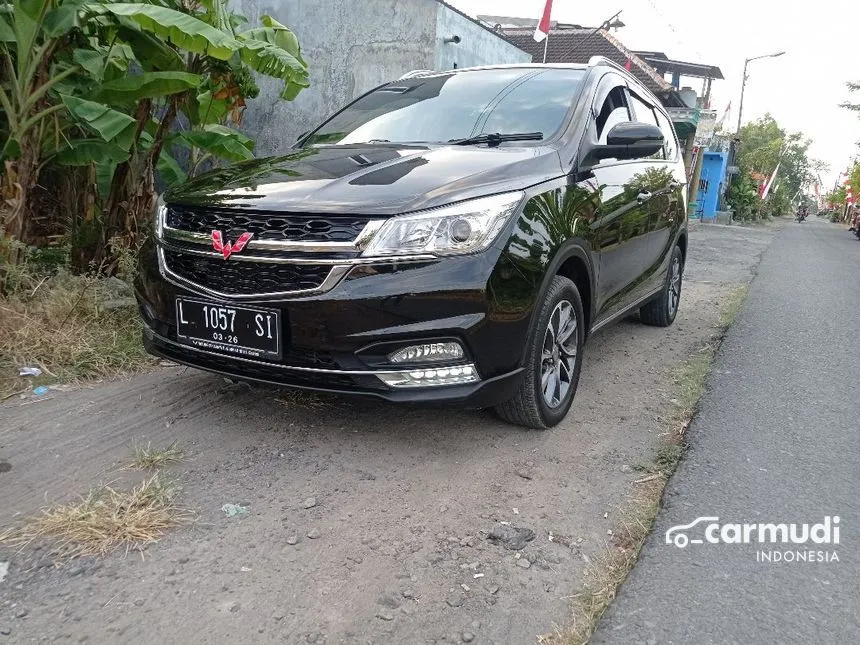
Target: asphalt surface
x,y
777,440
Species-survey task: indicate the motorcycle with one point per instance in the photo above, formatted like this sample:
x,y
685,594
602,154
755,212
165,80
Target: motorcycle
x,y
855,226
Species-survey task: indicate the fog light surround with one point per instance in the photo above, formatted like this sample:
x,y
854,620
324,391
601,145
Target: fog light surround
x,y
433,377
427,353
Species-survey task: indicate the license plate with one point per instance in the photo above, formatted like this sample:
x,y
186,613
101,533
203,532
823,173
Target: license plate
x,y
241,331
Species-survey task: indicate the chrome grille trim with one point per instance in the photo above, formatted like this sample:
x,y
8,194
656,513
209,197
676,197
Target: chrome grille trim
x,y
356,245
274,259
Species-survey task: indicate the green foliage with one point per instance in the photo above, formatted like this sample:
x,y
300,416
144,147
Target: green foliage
x,y
221,142
149,85
743,197
764,145
109,124
854,107
87,151
104,84
183,30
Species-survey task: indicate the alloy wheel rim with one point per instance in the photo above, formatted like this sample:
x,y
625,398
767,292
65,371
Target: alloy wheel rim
x,y
675,287
559,354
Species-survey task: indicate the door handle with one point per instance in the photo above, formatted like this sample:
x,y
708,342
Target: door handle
x,y
643,197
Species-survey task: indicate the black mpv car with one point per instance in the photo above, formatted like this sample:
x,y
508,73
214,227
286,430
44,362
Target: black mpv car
x,y
446,238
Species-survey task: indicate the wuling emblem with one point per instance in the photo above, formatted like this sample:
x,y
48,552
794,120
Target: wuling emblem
x,y
227,249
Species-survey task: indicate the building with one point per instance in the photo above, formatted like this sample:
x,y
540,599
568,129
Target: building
x,y
351,47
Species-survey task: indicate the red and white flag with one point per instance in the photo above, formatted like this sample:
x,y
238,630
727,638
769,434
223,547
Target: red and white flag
x,y
766,187
543,27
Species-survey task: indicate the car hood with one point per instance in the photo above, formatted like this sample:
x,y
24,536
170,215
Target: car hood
x,y
369,179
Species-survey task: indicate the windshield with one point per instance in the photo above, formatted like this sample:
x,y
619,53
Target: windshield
x,y
457,106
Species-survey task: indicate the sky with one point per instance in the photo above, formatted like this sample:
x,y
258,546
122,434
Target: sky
x,y
802,89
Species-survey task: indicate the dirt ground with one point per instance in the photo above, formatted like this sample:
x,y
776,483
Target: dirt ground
x,y
404,498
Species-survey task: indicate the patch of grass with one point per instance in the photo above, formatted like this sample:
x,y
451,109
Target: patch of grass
x,y
148,458
667,458
605,576
689,387
60,324
733,305
105,520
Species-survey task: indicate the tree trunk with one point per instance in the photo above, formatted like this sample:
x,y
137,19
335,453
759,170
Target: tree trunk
x,y
141,198
113,221
16,185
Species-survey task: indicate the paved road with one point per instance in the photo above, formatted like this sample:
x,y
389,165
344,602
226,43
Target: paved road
x,y
777,440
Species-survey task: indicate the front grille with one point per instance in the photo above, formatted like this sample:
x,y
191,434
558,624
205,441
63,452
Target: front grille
x,y
235,277
292,227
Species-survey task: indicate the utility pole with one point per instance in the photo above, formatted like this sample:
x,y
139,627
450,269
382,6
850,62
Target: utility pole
x,y
744,83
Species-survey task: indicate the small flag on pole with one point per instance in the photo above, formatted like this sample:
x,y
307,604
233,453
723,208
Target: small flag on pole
x,y
767,186
542,31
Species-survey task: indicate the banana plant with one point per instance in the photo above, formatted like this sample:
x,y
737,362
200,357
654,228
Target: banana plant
x,y
27,76
113,81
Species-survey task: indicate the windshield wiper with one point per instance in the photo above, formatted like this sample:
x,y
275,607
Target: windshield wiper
x,y
494,139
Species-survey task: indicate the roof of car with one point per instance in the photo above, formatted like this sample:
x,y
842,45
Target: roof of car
x,y
595,61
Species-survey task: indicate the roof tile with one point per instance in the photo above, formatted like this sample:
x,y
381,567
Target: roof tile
x,y
579,45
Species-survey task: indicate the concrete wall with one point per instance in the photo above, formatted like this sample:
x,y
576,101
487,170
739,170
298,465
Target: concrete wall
x,y
477,45
351,46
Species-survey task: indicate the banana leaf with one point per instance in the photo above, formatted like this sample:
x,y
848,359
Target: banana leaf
x,y
146,85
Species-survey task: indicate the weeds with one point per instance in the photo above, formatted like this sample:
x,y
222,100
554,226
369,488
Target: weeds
x,y
61,324
690,383
734,303
104,520
148,458
667,458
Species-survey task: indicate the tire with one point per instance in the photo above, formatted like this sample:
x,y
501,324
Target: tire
x,y
661,311
530,406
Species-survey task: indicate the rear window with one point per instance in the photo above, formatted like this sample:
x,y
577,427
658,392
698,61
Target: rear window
x,y
457,105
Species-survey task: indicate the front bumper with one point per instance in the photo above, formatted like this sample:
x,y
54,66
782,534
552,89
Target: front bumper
x,y
332,340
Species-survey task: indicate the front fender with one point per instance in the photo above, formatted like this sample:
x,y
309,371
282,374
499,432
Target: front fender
x,y
549,232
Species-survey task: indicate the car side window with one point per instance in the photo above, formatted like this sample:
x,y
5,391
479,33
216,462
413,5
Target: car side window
x,y
669,133
645,114
613,111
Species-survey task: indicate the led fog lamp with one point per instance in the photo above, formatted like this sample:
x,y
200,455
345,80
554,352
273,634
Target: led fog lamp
x,y
455,375
427,352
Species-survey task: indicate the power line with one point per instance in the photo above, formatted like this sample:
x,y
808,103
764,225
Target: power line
x,y
672,29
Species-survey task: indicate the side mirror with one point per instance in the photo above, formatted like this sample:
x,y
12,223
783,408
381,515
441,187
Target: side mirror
x,y
630,140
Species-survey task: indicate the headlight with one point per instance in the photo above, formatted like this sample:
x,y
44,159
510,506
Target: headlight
x,y
160,213
450,230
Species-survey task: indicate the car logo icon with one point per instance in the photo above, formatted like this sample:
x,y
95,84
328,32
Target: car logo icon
x,y
227,249
675,535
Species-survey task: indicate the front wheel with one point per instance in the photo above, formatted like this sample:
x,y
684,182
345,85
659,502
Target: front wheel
x,y
553,360
661,311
